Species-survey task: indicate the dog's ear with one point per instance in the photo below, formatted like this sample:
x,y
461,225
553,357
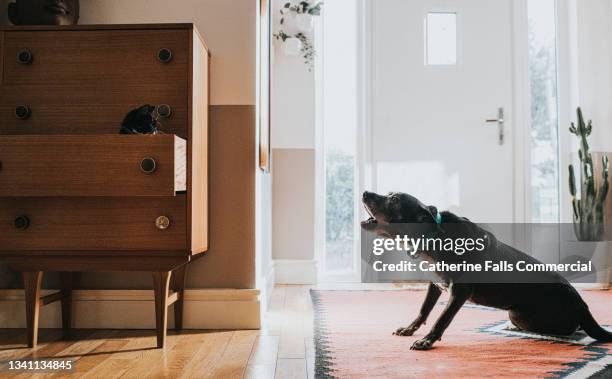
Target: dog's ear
x,y
434,211
12,13
428,214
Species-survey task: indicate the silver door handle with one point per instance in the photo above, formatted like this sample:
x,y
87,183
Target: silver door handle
x,y
500,125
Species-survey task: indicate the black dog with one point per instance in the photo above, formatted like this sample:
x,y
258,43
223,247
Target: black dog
x,y
550,306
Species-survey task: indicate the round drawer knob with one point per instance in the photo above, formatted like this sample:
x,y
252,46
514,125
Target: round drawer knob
x,y
25,56
164,55
164,111
22,112
148,165
22,222
162,223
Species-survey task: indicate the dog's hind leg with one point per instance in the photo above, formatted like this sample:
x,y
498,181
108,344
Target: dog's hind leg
x,y
433,294
546,319
459,295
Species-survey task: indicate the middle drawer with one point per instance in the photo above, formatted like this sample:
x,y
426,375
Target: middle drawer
x,y
100,165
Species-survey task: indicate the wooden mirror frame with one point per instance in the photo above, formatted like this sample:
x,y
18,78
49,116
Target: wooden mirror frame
x,y
264,79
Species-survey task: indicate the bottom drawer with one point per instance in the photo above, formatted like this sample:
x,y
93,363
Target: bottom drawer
x,y
52,224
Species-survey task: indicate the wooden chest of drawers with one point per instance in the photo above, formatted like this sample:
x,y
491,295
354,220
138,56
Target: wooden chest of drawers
x,y
77,196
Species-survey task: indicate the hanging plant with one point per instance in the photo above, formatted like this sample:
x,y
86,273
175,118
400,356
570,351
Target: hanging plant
x,y
299,43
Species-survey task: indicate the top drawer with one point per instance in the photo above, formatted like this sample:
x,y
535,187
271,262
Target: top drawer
x,y
113,57
102,165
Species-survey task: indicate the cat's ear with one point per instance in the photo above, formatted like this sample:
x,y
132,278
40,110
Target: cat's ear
x,y
12,13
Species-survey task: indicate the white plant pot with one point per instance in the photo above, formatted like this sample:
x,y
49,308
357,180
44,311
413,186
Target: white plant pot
x,y
603,259
599,253
292,46
303,22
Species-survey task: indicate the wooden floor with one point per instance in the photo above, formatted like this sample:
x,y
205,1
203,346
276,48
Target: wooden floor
x,y
283,348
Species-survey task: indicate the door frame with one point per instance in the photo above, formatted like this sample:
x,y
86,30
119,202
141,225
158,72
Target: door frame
x,y
365,172
519,103
521,112
353,275
567,101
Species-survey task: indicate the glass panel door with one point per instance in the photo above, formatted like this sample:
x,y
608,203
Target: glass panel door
x,y
544,111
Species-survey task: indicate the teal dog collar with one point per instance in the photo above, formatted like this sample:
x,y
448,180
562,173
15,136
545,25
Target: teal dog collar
x,y
438,218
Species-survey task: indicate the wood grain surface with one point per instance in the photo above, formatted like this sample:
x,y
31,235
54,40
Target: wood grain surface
x,y
283,348
198,164
104,224
103,165
92,109
77,58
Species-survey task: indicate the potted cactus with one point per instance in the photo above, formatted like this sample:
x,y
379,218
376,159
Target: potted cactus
x,y
588,211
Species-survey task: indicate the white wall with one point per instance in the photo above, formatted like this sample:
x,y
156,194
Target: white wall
x,y
293,96
594,75
585,80
594,58
293,142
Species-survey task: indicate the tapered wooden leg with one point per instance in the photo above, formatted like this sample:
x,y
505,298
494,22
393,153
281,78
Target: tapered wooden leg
x,y
32,281
66,282
161,286
178,285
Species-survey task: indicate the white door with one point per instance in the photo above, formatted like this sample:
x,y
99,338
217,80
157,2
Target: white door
x,y
438,70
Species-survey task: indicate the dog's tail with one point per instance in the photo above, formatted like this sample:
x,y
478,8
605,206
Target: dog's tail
x,y
592,328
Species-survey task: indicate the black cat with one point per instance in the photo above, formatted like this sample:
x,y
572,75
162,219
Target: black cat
x,y
142,120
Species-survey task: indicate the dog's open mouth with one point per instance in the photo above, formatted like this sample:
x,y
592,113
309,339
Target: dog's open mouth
x,y
371,220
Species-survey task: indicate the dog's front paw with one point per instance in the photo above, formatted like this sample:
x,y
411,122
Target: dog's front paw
x,y
407,331
422,344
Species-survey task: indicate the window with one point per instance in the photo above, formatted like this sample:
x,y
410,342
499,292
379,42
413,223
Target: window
x,y
441,38
338,96
544,111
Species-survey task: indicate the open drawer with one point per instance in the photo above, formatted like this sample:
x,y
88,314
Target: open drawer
x,y
92,165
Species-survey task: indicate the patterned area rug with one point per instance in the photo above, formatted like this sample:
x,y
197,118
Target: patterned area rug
x,y
353,340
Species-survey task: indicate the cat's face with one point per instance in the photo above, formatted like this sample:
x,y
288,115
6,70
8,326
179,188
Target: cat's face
x,y
44,12
141,120
144,120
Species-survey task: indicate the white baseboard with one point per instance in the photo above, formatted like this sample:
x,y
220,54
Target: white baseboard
x,y
267,287
134,309
290,271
